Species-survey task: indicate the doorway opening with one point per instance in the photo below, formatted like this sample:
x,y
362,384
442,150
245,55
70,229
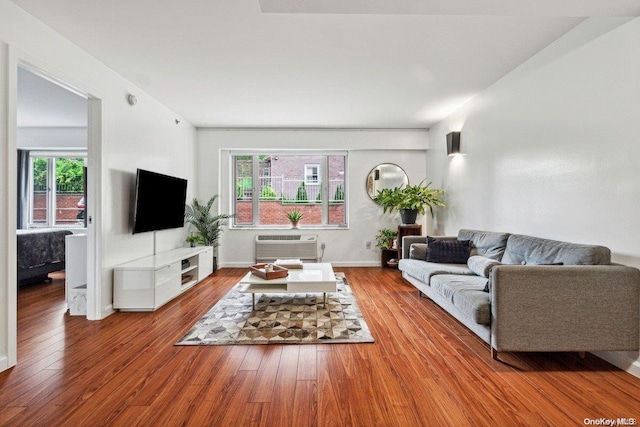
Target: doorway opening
x,y
59,125
52,150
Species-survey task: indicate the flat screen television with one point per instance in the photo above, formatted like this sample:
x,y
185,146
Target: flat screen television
x,y
159,202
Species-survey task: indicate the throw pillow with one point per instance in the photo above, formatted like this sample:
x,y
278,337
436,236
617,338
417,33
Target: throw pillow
x,y
448,251
481,265
418,251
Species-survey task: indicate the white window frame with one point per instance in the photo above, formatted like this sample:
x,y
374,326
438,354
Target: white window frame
x,y
323,180
318,174
51,191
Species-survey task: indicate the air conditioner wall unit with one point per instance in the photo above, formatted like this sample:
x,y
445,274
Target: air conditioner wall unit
x,y
290,246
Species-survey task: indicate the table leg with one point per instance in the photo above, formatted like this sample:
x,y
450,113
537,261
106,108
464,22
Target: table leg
x,y
253,301
324,297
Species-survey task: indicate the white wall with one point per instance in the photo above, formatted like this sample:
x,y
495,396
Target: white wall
x,y
34,138
406,148
552,149
7,223
144,136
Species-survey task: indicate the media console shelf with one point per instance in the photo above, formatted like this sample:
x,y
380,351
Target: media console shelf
x,y
148,283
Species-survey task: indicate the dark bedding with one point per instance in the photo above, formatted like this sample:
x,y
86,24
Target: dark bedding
x,y
39,253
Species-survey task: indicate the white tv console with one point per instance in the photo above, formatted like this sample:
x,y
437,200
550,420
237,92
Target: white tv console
x,y
148,283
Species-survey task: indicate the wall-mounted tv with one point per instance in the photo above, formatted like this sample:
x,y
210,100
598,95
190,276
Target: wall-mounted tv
x,y
159,202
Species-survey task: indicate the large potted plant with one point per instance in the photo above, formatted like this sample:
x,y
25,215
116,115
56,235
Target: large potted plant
x,y
207,226
410,200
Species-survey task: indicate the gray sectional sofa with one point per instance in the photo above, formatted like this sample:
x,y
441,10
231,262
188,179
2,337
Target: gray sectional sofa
x,y
523,293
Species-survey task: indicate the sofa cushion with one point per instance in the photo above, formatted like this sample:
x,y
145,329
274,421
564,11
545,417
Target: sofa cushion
x,y
465,292
423,270
486,243
481,265
448,251
418,251
533,250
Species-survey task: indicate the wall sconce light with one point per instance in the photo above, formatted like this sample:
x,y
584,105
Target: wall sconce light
x,y
453,143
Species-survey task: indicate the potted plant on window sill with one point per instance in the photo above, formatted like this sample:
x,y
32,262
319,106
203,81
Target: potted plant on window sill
x,y
207,226
410,200
294,216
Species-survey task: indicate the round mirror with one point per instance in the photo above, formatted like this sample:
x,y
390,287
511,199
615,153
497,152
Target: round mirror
x,y
385,175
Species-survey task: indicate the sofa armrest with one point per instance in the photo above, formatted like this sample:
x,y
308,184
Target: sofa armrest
x,y
565,308
408,240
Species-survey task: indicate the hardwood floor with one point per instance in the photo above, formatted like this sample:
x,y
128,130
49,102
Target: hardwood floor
x,y
425,369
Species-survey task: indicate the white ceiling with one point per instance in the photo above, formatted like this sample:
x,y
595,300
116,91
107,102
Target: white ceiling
x,y
42,103
545,8
316,63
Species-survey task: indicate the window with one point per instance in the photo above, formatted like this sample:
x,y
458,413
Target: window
x,y
56,190
267,186
312,174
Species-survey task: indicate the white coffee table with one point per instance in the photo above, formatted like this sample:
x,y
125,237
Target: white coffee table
x,y
311,278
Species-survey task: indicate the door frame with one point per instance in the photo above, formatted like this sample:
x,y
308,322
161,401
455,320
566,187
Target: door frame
x,y
15,59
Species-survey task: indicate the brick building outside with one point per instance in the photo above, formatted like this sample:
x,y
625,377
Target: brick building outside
x,y
287,183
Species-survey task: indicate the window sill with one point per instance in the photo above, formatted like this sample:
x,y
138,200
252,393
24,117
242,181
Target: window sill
x,y
277,227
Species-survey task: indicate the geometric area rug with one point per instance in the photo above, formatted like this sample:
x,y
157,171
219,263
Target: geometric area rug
x,y
282,319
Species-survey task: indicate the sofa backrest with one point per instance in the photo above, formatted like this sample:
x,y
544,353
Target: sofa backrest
x,y
534,250
486,243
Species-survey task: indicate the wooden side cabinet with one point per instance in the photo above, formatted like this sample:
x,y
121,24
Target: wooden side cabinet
x,y
386,255
407,230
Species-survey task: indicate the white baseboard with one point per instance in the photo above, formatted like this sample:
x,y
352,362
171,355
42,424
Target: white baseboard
x,y
234,265
105,312
335,264
621,360
108,311
4,363
356,264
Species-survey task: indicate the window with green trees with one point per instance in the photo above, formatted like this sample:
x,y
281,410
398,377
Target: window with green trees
x,y
56,195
